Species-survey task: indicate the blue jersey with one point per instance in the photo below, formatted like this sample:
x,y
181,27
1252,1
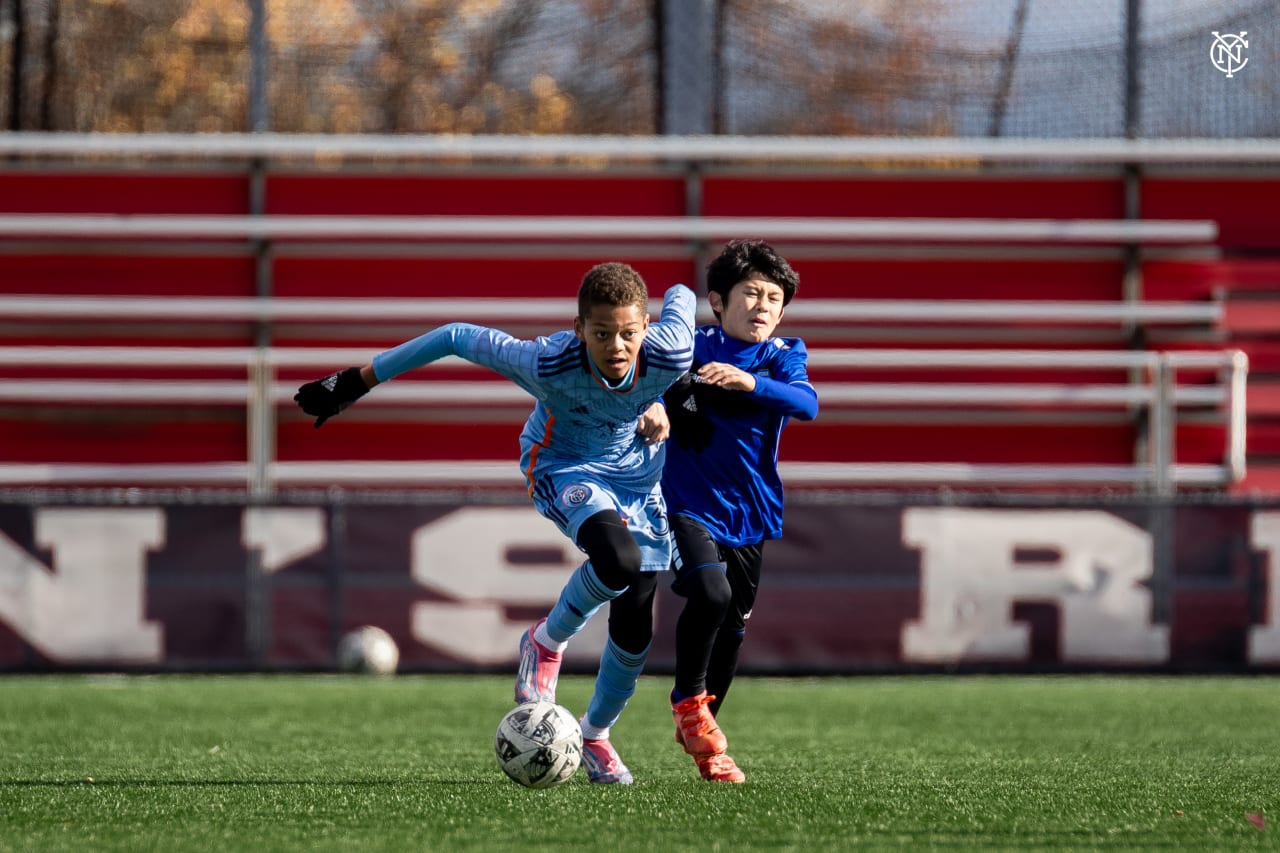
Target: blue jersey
x,y
732,486
578,422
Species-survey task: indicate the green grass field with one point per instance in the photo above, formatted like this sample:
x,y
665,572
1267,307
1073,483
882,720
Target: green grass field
x,y
347,763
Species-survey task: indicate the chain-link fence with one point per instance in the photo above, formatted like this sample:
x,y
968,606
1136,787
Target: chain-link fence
x,y
1023,68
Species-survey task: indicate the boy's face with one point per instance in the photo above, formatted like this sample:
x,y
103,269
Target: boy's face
x,y
613,334
751,310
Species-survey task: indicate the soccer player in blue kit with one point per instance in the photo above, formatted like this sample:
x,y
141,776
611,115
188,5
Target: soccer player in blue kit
x,y
721,480
592,456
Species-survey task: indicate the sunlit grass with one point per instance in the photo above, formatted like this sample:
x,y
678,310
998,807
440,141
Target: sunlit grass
x,y
347,763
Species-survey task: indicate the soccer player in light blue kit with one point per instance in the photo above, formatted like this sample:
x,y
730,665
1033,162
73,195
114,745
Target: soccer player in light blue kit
x,y
592,458
721,480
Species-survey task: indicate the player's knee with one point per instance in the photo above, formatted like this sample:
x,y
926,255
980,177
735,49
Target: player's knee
x,y
628,559
708,587
614,553
619,566
718,594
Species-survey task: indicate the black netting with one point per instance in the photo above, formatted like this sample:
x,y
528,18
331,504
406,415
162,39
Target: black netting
x,y
1022,68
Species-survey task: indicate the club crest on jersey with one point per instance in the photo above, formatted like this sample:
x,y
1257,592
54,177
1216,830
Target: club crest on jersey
x,y
575,495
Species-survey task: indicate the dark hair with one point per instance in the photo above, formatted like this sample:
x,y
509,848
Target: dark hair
x,y
613,284
740,260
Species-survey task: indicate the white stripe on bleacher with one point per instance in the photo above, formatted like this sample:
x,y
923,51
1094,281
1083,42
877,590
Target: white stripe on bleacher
x,y
481,228
506,473
743,150
561,311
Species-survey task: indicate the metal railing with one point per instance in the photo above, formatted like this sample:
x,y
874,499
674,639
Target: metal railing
x,y
562,228
592,150
212,309
1160,394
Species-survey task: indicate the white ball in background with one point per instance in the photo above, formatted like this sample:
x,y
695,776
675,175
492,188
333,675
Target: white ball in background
x,y
368,649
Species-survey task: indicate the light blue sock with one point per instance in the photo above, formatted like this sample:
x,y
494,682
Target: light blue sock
x,y
615,684
581,597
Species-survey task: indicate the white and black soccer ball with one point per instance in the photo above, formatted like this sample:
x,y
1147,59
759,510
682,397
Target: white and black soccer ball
x,y
368,649
538,744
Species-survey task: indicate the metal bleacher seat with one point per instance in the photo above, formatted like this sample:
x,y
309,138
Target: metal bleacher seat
x,y
105,371
921,386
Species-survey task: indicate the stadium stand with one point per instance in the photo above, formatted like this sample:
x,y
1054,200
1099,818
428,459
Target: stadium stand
x,y
1247,288
972,329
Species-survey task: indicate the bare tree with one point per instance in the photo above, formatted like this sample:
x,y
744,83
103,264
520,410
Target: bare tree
x,y
792,68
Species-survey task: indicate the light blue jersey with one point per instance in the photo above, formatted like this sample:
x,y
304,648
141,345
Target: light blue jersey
x,y
579,450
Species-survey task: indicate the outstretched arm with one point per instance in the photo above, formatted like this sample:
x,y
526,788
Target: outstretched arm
x,y
516,359
329,396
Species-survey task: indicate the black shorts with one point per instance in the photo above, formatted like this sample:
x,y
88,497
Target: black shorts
x,y
695,548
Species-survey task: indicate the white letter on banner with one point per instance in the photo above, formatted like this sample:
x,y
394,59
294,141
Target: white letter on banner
x,y
464,556
91,608
1264,640
970,580
284,535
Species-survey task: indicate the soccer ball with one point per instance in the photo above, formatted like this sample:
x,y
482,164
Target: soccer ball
x,y
370,650
538,744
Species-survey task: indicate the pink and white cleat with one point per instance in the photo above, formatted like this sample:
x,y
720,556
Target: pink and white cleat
x,y
538,671
604,767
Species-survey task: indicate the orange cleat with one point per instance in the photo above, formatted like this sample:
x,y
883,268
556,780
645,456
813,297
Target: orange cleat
x,y
700,735
720,768
696,728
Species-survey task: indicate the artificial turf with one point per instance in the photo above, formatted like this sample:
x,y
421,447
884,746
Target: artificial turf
x,y
346,763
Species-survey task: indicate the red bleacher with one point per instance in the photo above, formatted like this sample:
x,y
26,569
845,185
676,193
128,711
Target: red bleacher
x,y
1234,278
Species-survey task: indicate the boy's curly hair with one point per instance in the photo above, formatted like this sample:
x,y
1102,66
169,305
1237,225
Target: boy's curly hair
x,y
613,284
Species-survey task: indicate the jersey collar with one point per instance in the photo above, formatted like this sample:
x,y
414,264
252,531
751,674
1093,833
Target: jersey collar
x,y
624,384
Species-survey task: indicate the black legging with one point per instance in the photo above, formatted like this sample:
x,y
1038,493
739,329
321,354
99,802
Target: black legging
x,y
719,587
615,556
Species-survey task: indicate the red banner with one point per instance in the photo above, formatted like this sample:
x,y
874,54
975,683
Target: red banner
x,y
857,584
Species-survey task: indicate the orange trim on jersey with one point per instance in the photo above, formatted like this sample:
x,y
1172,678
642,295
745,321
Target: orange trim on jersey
x,y
533,454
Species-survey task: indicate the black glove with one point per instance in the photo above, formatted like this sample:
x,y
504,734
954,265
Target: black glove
x,y
324,398
686,402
